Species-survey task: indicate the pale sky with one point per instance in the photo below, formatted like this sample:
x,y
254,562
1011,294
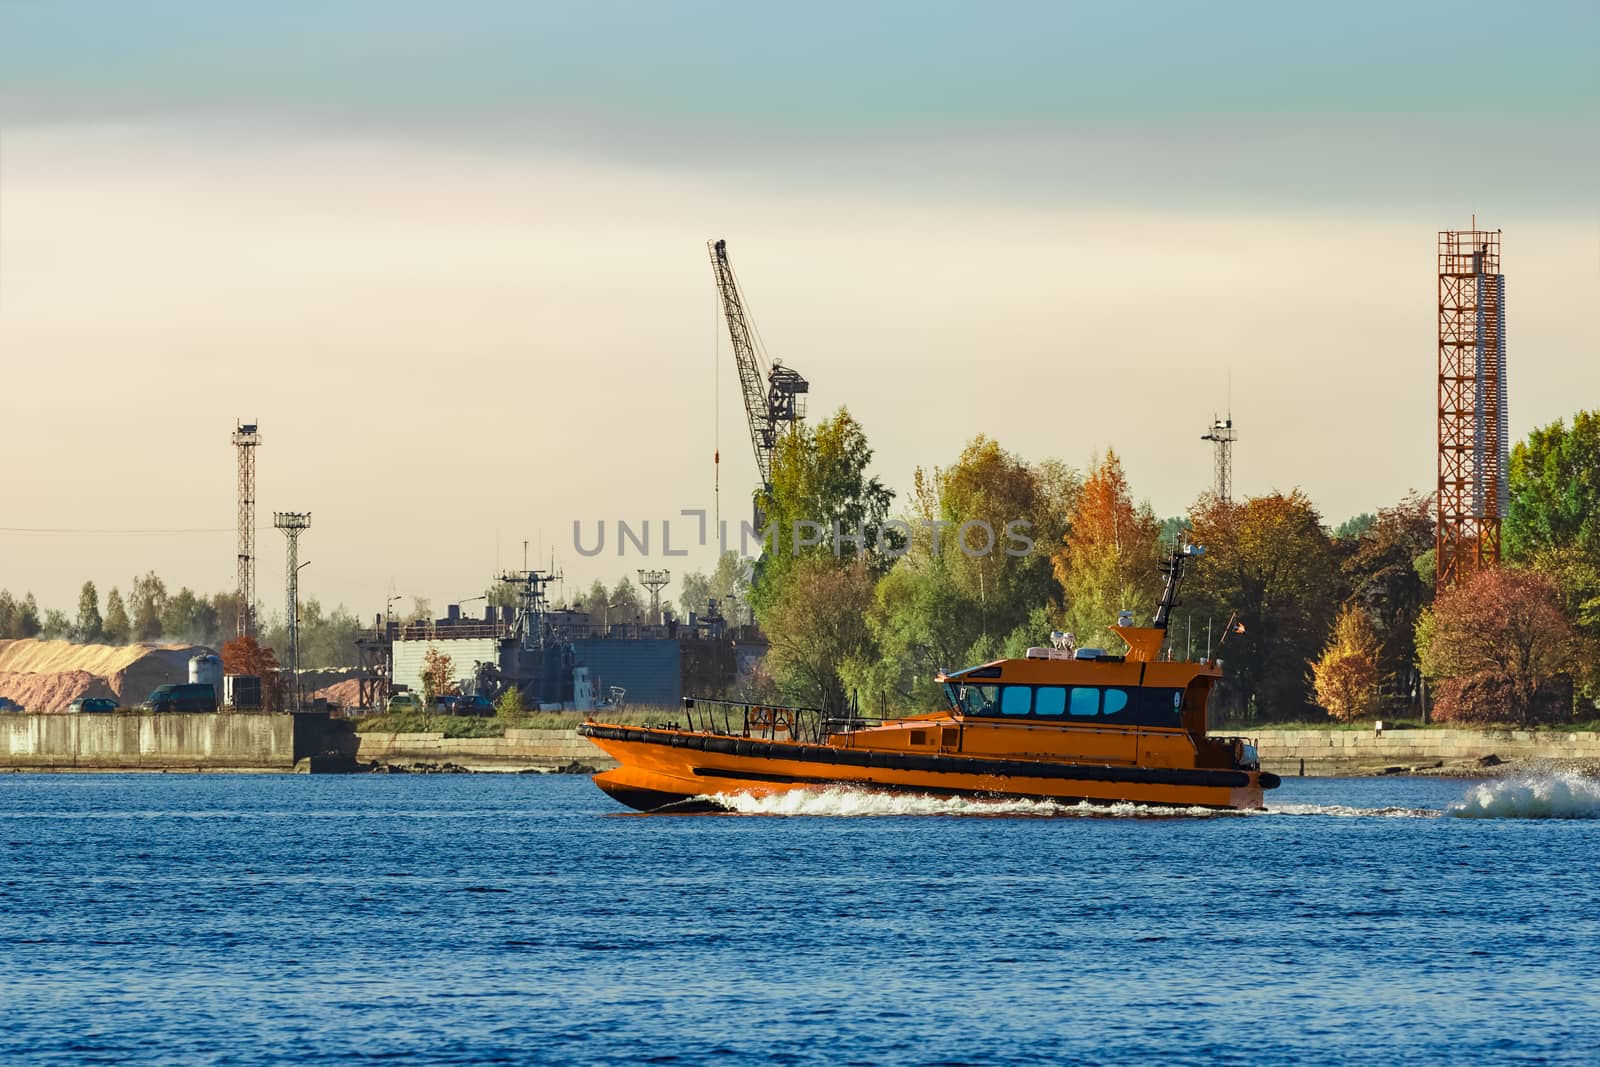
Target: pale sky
x,y
452,258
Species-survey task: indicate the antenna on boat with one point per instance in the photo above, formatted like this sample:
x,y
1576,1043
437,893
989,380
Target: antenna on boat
x,y
1173,569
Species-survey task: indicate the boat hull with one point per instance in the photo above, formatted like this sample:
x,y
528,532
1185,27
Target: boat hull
x,y
663,769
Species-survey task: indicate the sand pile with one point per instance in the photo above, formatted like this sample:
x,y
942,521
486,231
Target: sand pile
x,y
345,694
49,675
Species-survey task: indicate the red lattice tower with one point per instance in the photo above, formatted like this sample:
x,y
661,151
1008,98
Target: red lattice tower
x,y
1472,488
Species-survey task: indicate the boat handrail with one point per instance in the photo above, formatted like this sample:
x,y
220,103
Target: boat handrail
x,y
769,722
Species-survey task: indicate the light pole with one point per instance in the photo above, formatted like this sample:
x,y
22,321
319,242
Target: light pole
x,y
294,633
386,606
470,599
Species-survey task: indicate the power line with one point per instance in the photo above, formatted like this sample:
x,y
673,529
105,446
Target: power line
x,y
86,530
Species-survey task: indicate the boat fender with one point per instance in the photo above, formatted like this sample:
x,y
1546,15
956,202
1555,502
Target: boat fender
x,y
1269,780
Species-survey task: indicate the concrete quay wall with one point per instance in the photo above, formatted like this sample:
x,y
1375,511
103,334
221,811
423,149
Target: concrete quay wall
x,y
163,742
1328,752
539,750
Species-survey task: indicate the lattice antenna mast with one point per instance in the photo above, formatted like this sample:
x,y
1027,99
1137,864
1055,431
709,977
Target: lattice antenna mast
x,y
1222,436
774,396
1473,491
655,581
246,439
293,524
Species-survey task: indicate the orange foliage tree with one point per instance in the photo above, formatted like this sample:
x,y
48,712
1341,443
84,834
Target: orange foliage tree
x,y
1346,674
1501,649
245,655
436,670
1107,559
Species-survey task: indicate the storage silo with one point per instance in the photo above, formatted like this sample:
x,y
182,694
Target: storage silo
x,y
206,669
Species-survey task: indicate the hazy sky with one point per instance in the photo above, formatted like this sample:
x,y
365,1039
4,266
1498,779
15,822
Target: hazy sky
x,y
452,257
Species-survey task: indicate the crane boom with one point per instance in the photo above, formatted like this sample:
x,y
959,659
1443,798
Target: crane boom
x,y
771,406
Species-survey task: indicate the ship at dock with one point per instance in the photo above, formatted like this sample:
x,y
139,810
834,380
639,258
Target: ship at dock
x,y
1062,724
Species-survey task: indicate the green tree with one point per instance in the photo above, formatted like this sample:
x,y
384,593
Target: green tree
x,y
117,628
55,626
90,627
28,623
694,592
946,603
146,603
1355,527
189,618
327,639
1555,490
1501,649
818,631
625,605
1269,561
1106,562
8,615
821,493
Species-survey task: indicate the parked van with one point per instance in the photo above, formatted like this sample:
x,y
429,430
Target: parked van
x,y
182,696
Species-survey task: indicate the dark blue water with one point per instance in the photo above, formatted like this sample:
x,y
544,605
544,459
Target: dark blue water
x,y
254,920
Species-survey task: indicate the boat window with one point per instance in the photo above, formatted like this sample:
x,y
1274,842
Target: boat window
x,y
952,694
1116,700
979,699
1085,701
1160,707
1049,700
1015,700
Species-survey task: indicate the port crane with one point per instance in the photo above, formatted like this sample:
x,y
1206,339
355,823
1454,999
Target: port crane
x,y
774,395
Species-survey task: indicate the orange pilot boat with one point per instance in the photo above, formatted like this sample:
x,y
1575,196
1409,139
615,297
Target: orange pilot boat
x,y
1061,724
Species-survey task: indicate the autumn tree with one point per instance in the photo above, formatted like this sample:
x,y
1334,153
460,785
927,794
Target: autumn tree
x,y
117,627
1500,649
1106,562
1267,561
1380,576
247,656
1346,674
437,671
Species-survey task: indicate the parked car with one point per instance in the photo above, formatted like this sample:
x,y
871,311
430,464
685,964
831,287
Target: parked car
x,y
7,704
182,696
92,704
476,704
404,702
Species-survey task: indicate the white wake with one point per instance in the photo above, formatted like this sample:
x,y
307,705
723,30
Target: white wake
x,y
839,801
1563,795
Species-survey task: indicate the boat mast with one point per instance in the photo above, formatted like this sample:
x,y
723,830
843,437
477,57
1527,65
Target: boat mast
x,y
1172,567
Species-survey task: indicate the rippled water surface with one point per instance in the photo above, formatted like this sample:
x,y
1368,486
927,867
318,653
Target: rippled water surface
x,y
522,919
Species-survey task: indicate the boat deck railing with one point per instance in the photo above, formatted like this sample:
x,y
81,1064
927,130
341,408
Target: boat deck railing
x,y
768,722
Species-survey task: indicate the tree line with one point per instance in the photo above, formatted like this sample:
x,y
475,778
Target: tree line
x,y
150,613
1318,621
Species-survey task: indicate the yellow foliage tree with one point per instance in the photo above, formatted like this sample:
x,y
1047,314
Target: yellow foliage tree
x,y
436,670
1346,674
